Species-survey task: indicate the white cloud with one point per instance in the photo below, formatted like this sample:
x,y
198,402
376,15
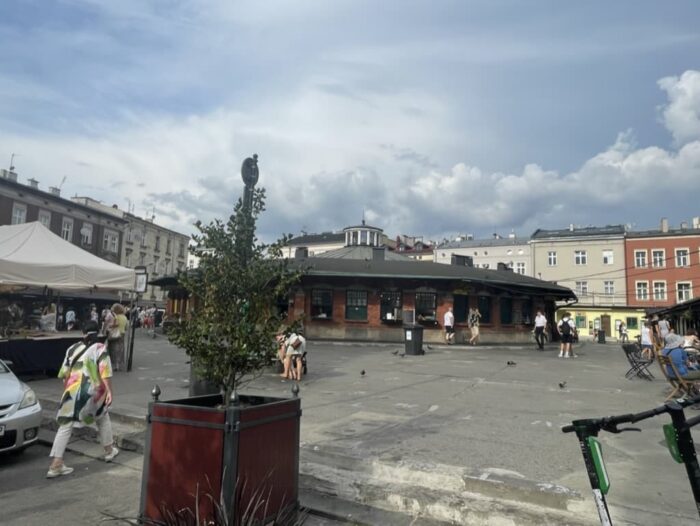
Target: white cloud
x,y
682,113
327,154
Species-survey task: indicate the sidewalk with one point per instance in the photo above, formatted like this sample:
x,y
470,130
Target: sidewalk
x,y
455,435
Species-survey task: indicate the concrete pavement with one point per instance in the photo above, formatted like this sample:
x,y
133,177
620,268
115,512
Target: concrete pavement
x,y
456,435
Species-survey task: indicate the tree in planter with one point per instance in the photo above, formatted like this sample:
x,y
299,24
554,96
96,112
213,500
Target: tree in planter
x,y
230,334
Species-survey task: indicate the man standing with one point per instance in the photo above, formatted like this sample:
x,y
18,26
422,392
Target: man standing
x,y
566,330
474,320
540,324
449,323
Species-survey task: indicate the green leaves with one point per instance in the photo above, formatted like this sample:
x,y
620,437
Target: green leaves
x,y
230,332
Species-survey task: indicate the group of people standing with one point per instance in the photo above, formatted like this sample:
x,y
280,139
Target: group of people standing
x,y
473,320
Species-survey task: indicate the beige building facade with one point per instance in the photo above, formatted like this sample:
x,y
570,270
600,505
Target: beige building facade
x,y
589,260
511,251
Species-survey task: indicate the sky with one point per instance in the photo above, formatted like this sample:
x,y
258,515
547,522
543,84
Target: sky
x,y
427,118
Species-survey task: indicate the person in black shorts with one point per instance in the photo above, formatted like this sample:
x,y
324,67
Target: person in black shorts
x,y
566,330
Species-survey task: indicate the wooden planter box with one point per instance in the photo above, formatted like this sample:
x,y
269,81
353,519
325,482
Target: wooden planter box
x,y
237,455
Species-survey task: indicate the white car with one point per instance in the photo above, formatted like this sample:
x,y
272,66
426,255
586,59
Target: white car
x,y
20,412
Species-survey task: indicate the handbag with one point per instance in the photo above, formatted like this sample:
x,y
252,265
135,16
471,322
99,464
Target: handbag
x,y
115,334
296,343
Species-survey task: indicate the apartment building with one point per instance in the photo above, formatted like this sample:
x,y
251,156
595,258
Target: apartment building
x,y
161,250
512,252
663,265
591,261
100,232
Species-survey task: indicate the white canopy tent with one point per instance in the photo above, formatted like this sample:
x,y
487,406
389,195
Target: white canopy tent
x,y
32,255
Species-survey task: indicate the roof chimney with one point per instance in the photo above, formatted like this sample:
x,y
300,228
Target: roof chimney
x,y
571,227
696,222
511,235
9,175
55,190
301,253
684,225
664,224
33,183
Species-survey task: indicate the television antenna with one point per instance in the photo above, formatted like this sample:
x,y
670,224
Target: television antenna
x,y
62,181
12,158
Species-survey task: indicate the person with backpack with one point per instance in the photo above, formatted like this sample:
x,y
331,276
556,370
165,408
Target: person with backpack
x,y
566,329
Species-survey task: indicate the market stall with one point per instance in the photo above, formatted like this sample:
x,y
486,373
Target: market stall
x,y
32,256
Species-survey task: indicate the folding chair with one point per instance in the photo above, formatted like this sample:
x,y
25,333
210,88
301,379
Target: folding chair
x,y
639,366
681,386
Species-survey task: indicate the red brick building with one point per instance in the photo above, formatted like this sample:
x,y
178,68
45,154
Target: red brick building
x,y
663,266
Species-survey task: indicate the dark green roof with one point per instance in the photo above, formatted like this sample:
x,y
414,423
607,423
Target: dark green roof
x,y
429,271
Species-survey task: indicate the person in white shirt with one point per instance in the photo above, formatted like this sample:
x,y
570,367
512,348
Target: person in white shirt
x,y
540,324
70,319
449,323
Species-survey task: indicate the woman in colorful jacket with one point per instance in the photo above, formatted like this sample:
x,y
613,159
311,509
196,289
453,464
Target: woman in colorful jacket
x,y
87,395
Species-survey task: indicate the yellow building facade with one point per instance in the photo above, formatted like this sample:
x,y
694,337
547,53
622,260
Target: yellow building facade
x,y
590,319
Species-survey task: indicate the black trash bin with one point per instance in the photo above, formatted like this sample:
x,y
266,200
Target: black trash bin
x,y
413,337
601,336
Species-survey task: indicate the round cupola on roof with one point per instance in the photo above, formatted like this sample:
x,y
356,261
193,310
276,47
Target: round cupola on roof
x,y
363,235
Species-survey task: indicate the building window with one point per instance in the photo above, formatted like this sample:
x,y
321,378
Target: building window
x,y
642,290
356,305
684,291
110,241
142,258
321,303
390,305
552,259
86,234
580,257
426,305
67,229
168,267
157,247
506,308
609,287
45,218
156,264
608,257
144,238
520,267
127,261
682,257
640,258
485,265
181,250
19,213
485,308
460,307
632,323
659,290
581,321
168,246
581,288
658,258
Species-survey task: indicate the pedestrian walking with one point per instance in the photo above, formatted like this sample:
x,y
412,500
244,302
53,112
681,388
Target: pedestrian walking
x,y
540,324
474,320
116,324
567,330
87,395
449,323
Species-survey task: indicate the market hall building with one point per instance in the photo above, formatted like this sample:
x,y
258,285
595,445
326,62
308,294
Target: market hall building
x,y
365,292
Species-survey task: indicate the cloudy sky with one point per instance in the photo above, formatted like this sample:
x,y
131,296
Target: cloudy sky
x,y
434,117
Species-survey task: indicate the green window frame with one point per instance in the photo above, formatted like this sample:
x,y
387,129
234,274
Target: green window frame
x,y
506,311
632,323
460,308
485,308
426,306
322,303
356,305
390,302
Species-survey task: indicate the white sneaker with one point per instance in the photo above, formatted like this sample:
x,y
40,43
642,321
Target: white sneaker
x,y
561,355
110,456
52,473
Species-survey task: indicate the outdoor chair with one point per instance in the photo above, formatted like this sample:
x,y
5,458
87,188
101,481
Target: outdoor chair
x,y
681,386
639,366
